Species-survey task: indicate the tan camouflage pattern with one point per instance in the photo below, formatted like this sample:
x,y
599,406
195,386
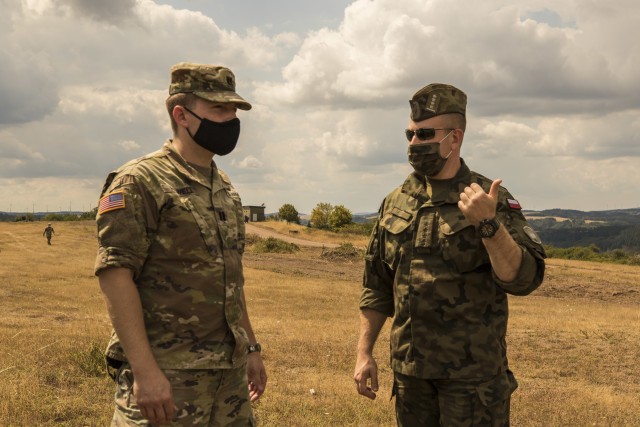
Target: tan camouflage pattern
x,y
435,99
453,403
427,268
182,234
210,82
204,397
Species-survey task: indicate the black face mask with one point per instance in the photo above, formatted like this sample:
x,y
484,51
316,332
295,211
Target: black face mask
x,y
219,138
426,159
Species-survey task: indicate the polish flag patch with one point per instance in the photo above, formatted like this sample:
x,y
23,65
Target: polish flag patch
x,y
514,204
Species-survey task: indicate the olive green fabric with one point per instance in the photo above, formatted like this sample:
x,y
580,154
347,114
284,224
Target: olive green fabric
x,y
435,99
481,402
182,234
426,267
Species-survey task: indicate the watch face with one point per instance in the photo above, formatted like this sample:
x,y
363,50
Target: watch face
x,y
487,229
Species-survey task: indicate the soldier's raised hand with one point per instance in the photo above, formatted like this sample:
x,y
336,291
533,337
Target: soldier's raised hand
x,y
477,205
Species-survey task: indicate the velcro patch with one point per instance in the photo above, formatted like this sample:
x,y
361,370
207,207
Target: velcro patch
x,y
111,201
513,204
531,234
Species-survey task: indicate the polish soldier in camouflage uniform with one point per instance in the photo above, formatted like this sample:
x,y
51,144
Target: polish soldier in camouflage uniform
x,y
171,237
448,247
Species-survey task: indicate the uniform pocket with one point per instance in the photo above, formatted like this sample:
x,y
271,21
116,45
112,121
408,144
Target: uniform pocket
x,y
396,221
461,245
397,233
497,390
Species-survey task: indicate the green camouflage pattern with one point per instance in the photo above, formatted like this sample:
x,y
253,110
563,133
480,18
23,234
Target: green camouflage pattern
x,y
48,231
182,234
210,82
435,99
204,397
453,403
427,268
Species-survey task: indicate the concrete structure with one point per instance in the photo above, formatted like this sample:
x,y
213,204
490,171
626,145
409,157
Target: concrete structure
x,y
253,213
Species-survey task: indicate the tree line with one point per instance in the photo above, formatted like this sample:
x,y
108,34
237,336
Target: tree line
x,y
326,216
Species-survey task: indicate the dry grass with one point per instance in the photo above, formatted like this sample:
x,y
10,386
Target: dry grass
x,y
574,344
314,234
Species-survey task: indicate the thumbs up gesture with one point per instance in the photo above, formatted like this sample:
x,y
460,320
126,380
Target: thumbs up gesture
x,y
477,205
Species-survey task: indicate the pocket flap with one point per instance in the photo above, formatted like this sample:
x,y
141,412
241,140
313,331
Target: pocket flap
x,y
453,222
396,221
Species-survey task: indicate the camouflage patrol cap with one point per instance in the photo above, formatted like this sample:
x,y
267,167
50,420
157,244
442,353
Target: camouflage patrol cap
x,y
210,82
435,99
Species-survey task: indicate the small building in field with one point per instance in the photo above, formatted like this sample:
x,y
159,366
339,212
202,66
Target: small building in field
x,y
253,213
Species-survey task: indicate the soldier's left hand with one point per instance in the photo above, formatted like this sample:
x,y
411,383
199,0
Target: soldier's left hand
x,y
257,376
477,205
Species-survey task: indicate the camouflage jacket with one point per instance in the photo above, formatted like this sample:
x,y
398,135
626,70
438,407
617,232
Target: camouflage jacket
x,y
427,268
182,235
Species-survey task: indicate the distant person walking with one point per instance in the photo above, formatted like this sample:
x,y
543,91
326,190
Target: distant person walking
x,y
171,238
48,232
448,247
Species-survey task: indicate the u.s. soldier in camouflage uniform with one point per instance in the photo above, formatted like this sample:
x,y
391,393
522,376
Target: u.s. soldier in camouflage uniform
x,y
448,247
48,232
171,237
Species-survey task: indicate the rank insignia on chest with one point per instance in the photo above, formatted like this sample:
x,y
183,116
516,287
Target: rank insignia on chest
x,y
112,201
514,204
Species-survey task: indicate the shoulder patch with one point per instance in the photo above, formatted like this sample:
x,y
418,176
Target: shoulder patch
x,y
111,202
532,235
514,204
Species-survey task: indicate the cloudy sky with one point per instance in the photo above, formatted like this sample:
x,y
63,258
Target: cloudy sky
x,y
554,94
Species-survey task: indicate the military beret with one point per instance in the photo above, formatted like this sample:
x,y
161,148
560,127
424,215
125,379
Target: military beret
x,y
436,99
210,82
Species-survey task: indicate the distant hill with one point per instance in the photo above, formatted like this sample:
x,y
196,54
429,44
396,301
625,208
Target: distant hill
x,y
608,230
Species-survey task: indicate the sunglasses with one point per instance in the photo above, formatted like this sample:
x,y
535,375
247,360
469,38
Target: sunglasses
x,y
423,133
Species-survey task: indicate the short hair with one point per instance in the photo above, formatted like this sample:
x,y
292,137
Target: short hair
x,y
185,99
457,121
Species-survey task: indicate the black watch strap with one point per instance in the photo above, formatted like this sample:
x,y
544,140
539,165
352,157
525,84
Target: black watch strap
x,y
488,227
254,348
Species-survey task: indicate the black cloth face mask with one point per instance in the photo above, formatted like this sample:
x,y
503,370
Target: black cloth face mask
x,y
426,159
219,138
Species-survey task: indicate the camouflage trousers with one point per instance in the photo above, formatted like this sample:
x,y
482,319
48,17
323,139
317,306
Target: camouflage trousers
x,y
453,403
203,397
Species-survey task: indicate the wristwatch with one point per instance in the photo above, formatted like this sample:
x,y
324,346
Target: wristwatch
x,y
254,347
488,227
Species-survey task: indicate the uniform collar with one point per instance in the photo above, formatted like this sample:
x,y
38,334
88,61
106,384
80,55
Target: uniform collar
x,y
437,192
186,169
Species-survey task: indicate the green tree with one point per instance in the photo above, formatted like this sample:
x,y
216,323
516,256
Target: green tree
x,y
339,217
320,215
289,213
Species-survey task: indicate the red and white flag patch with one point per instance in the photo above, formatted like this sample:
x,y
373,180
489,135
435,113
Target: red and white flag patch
x,y
514,204
111,201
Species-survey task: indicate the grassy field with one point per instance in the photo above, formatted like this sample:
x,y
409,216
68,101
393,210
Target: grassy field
x,y
574,344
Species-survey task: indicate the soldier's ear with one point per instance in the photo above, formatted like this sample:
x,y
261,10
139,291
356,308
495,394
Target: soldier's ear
x,y
179,116
458,135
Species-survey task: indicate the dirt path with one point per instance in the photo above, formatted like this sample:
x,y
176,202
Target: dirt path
x,y
264,233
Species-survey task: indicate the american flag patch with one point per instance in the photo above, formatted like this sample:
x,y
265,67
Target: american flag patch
x,y
111,201
513,204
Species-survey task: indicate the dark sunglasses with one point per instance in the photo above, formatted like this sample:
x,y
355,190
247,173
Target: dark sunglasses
x,y
423,133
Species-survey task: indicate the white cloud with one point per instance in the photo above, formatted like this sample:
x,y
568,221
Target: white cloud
x,y
129,145
553,105
249,162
